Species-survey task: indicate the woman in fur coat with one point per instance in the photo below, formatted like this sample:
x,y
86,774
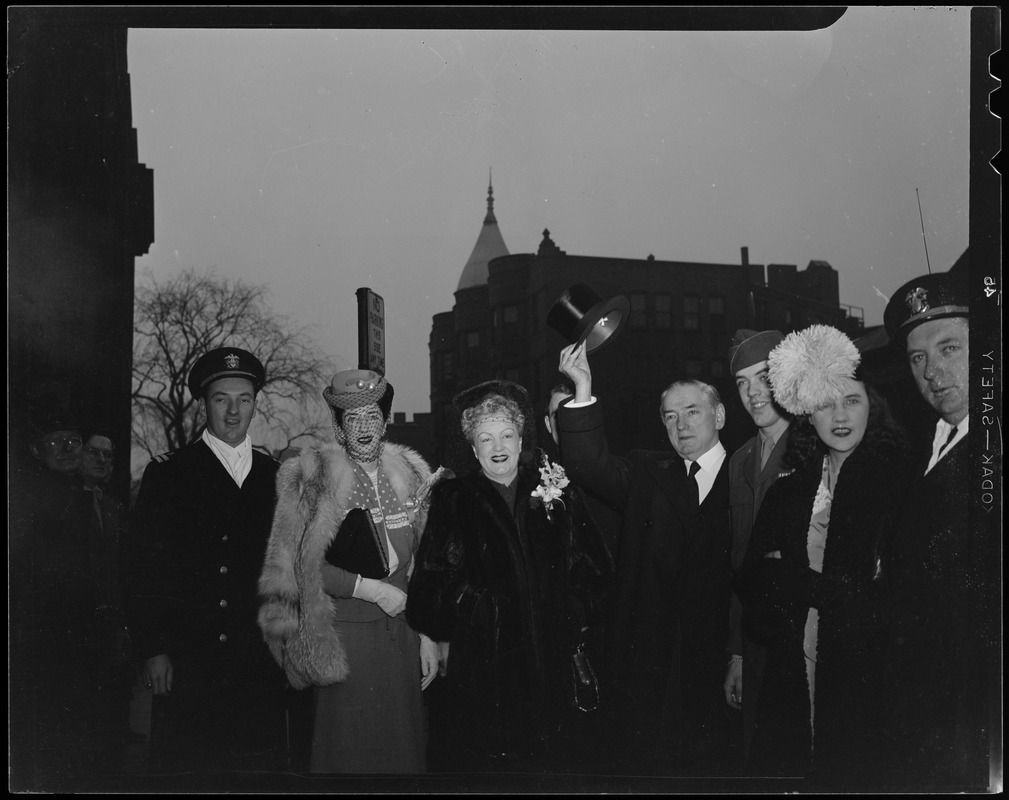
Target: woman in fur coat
x,y
812,580
507,574
333,605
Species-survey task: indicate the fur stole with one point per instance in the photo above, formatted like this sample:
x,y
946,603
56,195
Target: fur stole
x,y
313,491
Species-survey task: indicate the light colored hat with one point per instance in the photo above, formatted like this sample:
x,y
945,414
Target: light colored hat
x,y
809,368
354,388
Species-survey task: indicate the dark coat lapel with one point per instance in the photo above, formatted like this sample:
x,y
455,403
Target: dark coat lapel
x,y
671,477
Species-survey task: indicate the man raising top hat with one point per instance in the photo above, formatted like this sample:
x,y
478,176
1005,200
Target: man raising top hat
x,y
201,524
943,604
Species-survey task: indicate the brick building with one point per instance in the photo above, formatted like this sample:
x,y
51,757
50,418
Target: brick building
x,y
682,318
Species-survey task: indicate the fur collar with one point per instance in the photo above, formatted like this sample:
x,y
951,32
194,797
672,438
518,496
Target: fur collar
x,y
313,491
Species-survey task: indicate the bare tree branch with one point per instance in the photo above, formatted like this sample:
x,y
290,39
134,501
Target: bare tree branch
x,y
178,320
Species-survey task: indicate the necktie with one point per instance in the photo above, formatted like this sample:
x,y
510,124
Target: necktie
x,y
766,446
96,504
949,440
694,469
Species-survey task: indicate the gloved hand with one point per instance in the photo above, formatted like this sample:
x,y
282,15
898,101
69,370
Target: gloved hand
x,y
386,596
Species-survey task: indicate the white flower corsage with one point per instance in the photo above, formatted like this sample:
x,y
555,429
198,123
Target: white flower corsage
x,y
551,489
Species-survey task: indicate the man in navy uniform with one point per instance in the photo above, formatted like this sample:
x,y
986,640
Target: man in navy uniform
x,y
944,601
200,528
753,469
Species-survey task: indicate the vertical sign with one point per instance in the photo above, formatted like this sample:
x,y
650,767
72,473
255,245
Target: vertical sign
x,y
370,331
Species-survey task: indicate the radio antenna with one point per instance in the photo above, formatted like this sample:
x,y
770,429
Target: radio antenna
x,y
920,217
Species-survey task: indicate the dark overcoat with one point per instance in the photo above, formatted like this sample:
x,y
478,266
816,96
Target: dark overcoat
x,y
851,596
748,484
196,549
669,615
70,676
945,637
510,592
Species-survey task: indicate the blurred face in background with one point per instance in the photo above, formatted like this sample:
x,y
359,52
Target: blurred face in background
x,y
96,460
60,451
496,445
550,419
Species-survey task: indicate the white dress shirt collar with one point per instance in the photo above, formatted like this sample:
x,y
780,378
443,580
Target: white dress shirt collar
x,y
236,460
710,463
939,447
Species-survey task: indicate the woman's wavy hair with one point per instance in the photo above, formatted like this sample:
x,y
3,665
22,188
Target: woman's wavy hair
x,y
491,406
883,434
498,397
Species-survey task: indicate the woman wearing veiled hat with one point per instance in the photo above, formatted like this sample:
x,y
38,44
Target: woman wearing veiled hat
x,y
507,574
348,519
813,577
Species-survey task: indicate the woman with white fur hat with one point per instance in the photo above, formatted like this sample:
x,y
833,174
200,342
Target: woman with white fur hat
x,y
812,581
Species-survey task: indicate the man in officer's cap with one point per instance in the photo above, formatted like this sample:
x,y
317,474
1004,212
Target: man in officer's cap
x,y
201,524
937,566
753,469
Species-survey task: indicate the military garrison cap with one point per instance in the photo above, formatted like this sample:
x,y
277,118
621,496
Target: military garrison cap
x,y
225,362
750,347
937,296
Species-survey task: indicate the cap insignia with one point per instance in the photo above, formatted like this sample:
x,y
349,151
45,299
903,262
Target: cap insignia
x,y
231,361
917,300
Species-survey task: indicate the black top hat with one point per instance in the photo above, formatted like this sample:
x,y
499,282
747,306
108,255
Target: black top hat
x,y
580,315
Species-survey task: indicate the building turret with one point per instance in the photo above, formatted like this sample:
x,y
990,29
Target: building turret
x,y
489,244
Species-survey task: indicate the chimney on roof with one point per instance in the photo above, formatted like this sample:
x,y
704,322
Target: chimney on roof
x,y
744,253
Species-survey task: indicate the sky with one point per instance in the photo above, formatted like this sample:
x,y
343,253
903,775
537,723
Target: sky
x,y
317,162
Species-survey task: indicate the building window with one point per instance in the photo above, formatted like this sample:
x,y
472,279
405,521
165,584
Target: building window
x,y
473,340
663,312
639,311
693,367
511,315
716,313
448,366
788,319
691,312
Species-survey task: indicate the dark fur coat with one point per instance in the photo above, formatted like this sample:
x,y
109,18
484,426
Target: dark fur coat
x,y
851,595
510,590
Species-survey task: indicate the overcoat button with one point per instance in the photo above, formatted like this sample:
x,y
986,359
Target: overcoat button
x,y
224,570
224,604
223,637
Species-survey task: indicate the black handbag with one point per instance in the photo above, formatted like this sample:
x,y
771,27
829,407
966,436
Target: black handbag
x,y
357,548
586,684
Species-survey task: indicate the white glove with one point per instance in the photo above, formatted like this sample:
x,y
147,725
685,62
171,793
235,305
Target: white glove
x,y
386,596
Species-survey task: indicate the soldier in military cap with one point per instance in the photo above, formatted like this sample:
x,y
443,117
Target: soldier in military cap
x,y
201,524
936,645
753,469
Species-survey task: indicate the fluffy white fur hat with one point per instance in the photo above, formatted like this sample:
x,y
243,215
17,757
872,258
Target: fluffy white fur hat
x,y
808,368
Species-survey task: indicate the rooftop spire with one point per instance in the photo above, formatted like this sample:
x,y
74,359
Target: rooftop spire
x,y
490,219
489,245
